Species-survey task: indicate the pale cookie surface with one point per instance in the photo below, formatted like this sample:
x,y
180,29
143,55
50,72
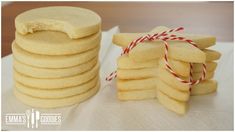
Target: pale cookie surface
x,y
202,41
172,92
136,94
56,93
38,72
54,103
49,61
211,55
75,22
136,73
57,82
171,80
125,62
147,51
210,66
204,87
171,104
177,50
139,84
180,67
56,43
197,75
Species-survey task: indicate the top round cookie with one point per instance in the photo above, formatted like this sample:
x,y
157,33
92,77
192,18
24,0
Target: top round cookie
x,y
75,22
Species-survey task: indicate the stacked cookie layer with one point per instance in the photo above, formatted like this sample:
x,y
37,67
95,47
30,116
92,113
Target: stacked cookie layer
x,y
169,91
208,85
136,81
56,56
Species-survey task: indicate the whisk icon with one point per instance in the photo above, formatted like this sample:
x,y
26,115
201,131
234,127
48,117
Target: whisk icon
x,y
28,112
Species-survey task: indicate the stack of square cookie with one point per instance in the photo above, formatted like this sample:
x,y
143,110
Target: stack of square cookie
x,y
56,56
169,91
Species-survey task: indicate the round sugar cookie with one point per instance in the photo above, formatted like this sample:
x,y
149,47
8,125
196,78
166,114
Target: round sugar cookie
x,y
56,93
55,83
56,43
54,103
38,72
52,61
74,21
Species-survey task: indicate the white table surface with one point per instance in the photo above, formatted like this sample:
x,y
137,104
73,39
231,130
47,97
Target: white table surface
x,y
105,112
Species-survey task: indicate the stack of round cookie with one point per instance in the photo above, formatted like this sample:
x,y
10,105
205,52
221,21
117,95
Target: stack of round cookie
x,y
56,56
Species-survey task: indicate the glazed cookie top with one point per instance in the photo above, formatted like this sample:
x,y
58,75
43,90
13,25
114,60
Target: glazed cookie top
x,y
75,22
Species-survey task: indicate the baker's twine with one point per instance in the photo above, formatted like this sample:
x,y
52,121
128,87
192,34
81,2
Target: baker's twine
x,y
165,36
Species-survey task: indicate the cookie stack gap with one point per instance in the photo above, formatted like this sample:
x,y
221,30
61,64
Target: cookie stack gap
x,y
56,56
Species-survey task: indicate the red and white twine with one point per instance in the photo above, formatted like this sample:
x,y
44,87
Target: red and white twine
x,y
164,36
